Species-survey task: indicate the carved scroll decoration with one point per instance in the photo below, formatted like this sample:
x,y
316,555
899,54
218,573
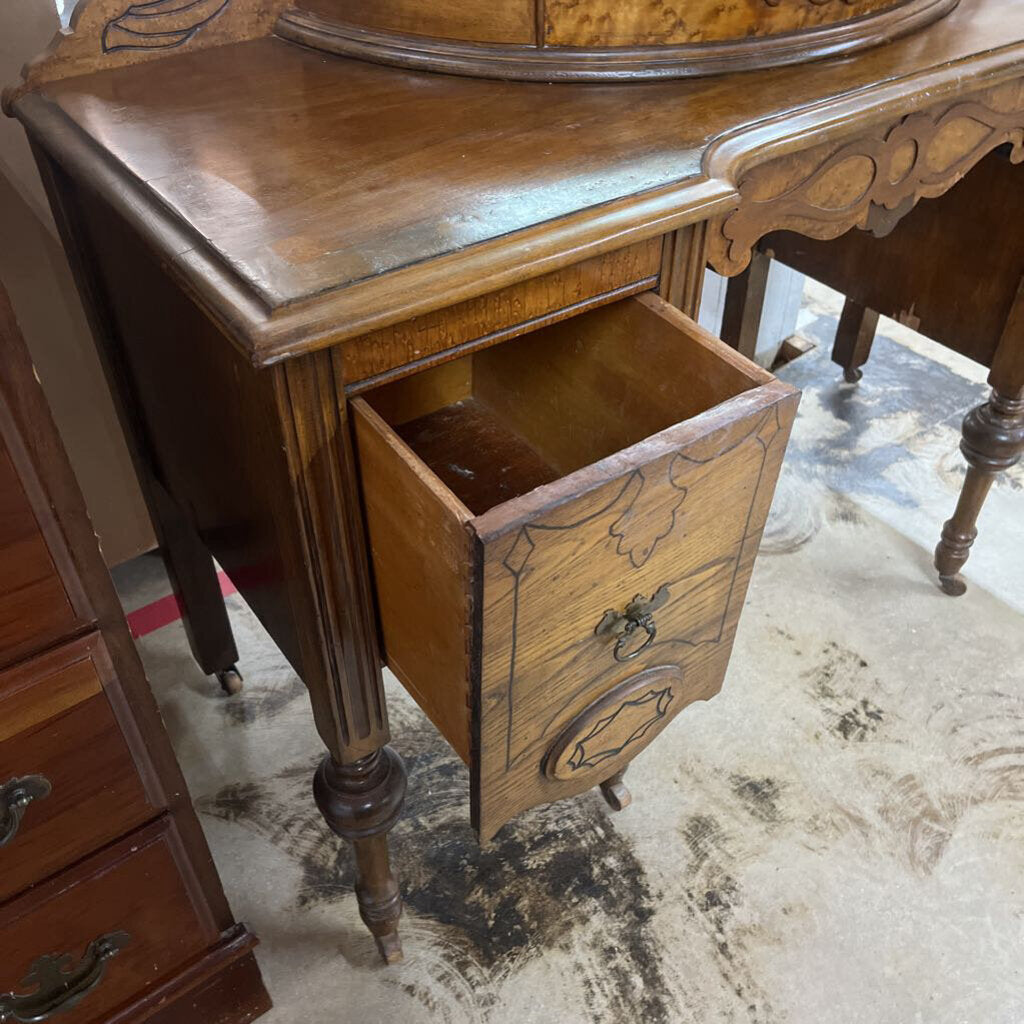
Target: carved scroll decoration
x,y
871,182
112,33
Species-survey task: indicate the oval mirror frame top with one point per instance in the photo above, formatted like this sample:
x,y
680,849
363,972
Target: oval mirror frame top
x,y
600,40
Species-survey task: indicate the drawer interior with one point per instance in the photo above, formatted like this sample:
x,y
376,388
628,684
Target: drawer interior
x,y
453,457
500,422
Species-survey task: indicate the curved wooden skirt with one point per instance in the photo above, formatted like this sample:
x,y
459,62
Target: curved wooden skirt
x,y
526,61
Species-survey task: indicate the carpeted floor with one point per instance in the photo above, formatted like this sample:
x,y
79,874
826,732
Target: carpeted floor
x,y
838,836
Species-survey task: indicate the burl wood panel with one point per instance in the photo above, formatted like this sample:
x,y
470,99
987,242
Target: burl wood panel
x,y
503,314
511,21
139,886
651,22
56,721
950,269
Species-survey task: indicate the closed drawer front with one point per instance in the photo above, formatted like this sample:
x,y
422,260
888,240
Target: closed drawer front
x,y
68,780
112,927
35,608
562,531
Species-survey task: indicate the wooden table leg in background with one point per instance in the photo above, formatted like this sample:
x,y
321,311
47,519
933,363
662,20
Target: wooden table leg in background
x,y
993,441
744,305
854,338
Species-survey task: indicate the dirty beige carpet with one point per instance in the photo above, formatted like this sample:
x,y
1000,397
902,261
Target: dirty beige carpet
x,y
839,836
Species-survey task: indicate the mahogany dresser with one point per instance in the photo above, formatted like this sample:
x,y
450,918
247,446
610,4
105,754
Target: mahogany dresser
x,y
110,906
398,300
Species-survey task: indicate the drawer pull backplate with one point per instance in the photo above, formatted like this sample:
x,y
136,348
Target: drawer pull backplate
x,y
639,614
15,796
57,985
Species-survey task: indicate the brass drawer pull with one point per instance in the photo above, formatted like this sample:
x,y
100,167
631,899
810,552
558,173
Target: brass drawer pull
x,y
56,985
15,796
639,614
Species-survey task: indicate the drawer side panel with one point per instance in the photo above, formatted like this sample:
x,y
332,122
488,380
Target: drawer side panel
x,y
419,550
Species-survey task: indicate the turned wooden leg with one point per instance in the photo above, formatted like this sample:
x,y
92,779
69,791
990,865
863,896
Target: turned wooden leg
x,y
993,441
856,335
193,575
744,305
615,792
361,801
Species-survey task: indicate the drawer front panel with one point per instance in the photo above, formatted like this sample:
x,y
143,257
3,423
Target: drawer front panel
x,y
68,781
34,606
115,925
671,541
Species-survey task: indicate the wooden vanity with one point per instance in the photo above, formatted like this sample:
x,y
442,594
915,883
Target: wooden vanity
x,y
413,354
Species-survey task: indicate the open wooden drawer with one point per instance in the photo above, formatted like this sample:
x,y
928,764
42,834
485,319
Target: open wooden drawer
x,y
562,530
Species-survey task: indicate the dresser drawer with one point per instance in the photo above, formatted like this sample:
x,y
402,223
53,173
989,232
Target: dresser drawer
x,y
120,922
562,529
35,606
68,781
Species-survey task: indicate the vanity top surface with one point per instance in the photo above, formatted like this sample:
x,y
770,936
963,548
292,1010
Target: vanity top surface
x,y
306,178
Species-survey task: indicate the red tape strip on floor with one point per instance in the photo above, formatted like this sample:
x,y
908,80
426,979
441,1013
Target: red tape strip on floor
x,y
157,614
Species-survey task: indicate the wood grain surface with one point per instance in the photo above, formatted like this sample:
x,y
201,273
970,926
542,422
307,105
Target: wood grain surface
x,y
651,22
394,207
516,495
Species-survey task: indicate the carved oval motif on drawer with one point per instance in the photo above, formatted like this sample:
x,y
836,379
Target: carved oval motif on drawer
x,y
617,726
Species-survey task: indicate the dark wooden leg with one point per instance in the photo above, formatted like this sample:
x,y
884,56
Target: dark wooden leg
x,y
190,566
193,576
361,801
615,792
360,786
854,339
993,441
744,305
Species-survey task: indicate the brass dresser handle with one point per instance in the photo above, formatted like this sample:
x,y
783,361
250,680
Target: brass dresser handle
x,y
639,614
56,985
15,796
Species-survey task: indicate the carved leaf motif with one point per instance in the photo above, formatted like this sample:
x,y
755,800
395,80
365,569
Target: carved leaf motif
x,y
159,24
650,516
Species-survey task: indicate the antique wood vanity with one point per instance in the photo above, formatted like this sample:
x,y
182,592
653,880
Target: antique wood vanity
x,y
412,353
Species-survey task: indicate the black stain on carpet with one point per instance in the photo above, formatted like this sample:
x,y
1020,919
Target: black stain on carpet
x,y
557,877
836,669
860,721
712,896
837,682
760,797
914,392
260,703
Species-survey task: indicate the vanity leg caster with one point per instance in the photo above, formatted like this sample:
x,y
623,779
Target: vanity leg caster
x,y
616,793
854,338
230,680
361,801
993,440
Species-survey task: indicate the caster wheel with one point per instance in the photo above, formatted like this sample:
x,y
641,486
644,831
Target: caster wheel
x,y
854,376
230,681
616,794
953,585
